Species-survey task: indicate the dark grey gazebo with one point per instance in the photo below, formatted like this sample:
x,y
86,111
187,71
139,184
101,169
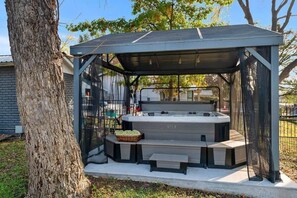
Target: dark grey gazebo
x,y
237,51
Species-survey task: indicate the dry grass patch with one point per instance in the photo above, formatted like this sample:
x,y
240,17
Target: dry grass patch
x,y
288,164
108,187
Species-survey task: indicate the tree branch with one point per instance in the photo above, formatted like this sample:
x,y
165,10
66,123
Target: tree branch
x,y
282,17
171,15
283,3
288,32
281,29
273,16
286,71
247,12
292,92
154,26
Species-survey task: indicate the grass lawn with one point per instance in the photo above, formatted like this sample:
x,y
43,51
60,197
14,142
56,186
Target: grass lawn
x,y
288,163
108,187
13,169
13,178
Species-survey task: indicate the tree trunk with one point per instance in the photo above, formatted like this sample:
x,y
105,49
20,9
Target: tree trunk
x,y
55,167
171,88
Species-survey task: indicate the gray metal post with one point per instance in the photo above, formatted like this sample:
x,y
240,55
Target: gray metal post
x,y
275,111
128,93
231,85
77,92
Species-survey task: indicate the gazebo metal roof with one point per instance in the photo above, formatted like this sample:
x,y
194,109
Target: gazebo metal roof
x,y
180,40
187,51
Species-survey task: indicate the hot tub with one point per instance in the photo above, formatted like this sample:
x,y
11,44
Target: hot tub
x,y
178,117
207,126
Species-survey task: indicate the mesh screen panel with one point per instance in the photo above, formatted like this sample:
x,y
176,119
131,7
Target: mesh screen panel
x,y
102,105
92,122
236,113
255,81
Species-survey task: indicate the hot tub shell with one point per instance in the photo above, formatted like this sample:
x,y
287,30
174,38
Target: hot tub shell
x,y
177,126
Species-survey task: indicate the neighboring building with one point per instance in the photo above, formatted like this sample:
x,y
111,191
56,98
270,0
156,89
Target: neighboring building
x,y
9,114
191,93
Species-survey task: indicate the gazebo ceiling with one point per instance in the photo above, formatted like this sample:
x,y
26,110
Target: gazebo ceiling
x,y
196,50
185,62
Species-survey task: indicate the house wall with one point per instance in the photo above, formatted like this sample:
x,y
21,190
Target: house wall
x,y
9,114
68,78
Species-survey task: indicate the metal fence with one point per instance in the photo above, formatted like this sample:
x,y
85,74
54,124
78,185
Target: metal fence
x,y
288,128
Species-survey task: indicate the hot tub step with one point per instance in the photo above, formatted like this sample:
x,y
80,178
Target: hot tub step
x,y
120,151
195,150
227,154
169,162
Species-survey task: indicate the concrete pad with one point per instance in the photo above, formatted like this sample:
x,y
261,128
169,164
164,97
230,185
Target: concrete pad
x,y
234,181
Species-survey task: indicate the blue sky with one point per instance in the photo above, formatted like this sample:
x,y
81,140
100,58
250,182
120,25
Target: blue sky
x,y
80,10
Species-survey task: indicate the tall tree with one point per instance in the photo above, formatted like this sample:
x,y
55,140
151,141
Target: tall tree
x,y
281,15
55,167
152,15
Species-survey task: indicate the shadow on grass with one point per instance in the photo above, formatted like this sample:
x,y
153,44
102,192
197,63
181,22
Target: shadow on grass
x,y
108,187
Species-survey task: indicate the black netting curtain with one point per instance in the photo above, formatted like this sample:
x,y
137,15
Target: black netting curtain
x,y
256,96
91,119
236,111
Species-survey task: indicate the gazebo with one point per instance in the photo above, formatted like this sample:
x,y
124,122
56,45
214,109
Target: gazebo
x,y
244,56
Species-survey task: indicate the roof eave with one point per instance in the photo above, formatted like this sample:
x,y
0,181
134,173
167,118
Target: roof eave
x,y
202,44
186,71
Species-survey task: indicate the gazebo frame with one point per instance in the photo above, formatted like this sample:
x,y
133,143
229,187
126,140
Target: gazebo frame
x,y
225,44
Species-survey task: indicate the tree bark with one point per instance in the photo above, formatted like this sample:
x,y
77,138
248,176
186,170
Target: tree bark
x,y
55,166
